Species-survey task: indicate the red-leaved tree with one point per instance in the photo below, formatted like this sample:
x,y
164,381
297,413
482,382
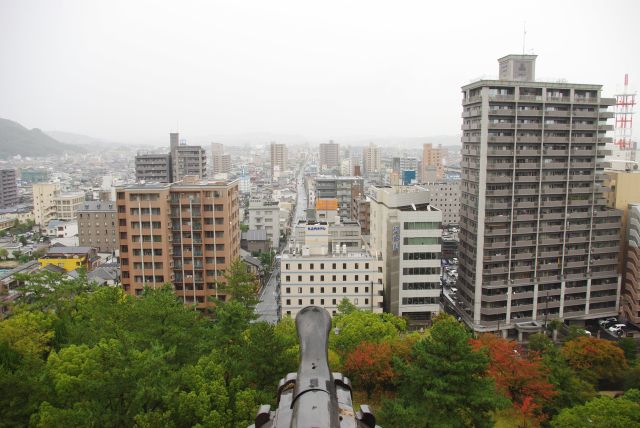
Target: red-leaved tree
x,y
370,366
524,380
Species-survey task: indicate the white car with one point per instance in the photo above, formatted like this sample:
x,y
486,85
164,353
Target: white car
x,y
615,330
620,326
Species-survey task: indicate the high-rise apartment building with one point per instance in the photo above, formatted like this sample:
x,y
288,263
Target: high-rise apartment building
x,y
152,167
432,166
631,291
44,204
8,188
622,189
220,162
185,233
329,155
278,159
371,161
97,226
182,160
537,240
406,234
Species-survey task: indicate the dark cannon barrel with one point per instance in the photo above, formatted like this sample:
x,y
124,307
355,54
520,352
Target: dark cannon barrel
x,y
314,397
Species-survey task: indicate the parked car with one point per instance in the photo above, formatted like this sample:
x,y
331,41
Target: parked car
x,y
621,326
615,330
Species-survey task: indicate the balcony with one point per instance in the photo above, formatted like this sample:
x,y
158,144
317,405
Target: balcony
x,y
500,152
508,97
501,139
472,100
498,165
528,165
501,112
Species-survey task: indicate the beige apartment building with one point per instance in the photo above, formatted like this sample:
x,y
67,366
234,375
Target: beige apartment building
x,y
8,188
67,204
97,226
432,165
185,233
44,202
537,239
371,161
278,159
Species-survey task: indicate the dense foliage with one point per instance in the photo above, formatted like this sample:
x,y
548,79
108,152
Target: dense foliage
x,y
74,355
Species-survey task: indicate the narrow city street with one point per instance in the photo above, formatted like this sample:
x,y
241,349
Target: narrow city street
x,y
267,308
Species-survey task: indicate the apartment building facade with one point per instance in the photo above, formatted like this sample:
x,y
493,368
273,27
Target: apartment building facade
x,y
278,156
432,162
8,188
67,204
264,215
186,233
44,204
181,161
446,196
97,226
343,189
631,291
371,161
406,235
537,240
153,168
329,155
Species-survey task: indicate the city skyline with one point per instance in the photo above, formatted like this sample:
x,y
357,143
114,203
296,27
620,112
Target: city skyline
x,y
279,68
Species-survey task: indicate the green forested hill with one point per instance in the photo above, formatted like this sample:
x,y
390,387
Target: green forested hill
x,y
15,139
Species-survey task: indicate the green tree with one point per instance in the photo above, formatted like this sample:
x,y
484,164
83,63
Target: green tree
x,y
240,284
445,384
595,360
603,412
629,347
4,253
28,333
357,326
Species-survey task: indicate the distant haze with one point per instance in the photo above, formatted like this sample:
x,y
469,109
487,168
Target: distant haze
x,y
132,71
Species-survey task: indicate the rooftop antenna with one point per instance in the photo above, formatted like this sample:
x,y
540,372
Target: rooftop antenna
x,y
524,35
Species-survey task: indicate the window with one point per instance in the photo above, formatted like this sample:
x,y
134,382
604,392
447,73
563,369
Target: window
x,y
311,278
287,278
421,225
421,256
322,301
366,301
299,266
366,265
299,290
322,289
312,301
321,265
355,278
356,266
299,278
288,301
333,290
344,265
366,289
344,289
419,300
366,277
333,266
334,278
287,266
321,278
356,289
422,240
421,285
333,302
344,278
300,301
311,266
312,290
421,271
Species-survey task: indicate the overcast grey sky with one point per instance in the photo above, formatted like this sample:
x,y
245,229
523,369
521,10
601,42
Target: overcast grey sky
x,y
130,70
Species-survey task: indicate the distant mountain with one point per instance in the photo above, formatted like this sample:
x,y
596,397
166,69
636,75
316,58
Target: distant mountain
x,y
76,139
15,139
